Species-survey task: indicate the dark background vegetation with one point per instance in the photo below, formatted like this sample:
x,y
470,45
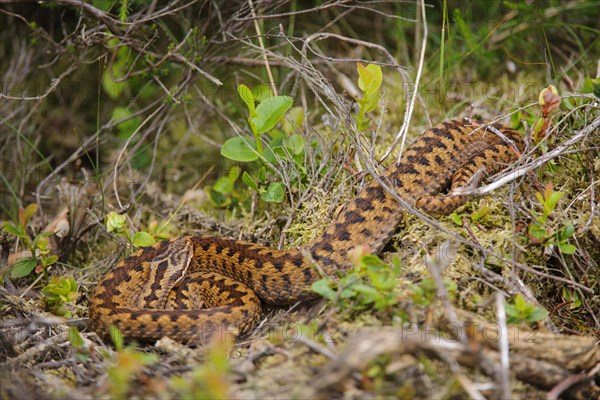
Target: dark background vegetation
x,y
58,42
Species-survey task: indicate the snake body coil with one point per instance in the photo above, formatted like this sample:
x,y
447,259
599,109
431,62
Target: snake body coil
x,y
188,288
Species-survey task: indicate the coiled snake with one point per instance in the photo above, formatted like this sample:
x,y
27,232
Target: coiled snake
x,y
189,287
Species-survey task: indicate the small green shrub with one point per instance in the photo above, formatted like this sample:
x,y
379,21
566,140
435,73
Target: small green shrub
x,y
540,232
519,311
369,81
60,294
285,147
117,223
371,283
41,258
424,293
282,146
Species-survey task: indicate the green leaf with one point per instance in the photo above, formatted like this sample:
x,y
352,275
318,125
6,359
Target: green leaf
x,y
75,337
511,311
219,199
111,88
262,92
539,197
553,200
117,337
29,211
270,111
50,260
72,283
273,150
104,5
142,239
115,222
537,232
369,293
567,294
247,97
567,231
374,264
61,288
292,120
40,242
240,148
126,128
383,283
226,183
520,303
537,314
370,101
261,174
322,288
567,248
50,292
369,77
72,296
14,230
23,267
295,143
456,218
115,71
275,193
249,181
480,213
276,134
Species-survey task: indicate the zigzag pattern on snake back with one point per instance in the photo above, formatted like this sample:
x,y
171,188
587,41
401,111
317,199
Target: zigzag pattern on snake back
x,y
187,288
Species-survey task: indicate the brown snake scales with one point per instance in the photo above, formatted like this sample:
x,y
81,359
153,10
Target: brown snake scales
x,y
189,287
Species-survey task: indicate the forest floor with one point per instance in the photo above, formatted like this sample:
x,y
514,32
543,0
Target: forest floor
x,y
499,299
